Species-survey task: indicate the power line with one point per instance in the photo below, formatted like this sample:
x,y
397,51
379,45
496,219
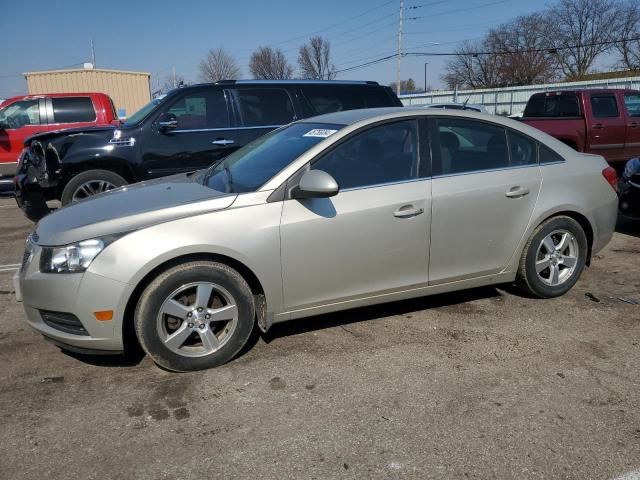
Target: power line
x,y
483,53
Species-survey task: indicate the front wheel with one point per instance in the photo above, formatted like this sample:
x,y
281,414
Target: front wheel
x,y
195,316
553,258
89,183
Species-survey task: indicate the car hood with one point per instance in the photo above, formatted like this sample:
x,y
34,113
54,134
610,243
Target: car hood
x,y
104,131
130,208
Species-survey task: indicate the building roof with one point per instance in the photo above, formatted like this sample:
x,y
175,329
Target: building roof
x,y
102,70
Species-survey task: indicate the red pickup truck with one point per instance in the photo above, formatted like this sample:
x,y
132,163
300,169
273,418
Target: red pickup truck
x,y
604,122
21,117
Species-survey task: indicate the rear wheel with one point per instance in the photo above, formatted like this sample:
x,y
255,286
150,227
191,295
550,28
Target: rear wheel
x,y
553,258
89,183
195,316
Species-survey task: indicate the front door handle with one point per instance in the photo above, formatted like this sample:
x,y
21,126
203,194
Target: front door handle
x,y
517,192
223,141
597,126
633,125
408,211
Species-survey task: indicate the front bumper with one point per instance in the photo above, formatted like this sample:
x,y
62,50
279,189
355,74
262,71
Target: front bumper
x,y
80,294
30,198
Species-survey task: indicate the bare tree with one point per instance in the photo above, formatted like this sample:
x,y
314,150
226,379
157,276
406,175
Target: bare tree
x,y
472,68
628,30
521,56
406,86
218,65
269,63
160,85
580,30
314,60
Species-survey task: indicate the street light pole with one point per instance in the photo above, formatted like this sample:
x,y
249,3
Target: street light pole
x,y
425,76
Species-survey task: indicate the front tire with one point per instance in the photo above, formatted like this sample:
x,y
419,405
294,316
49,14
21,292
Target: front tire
x,y
553,258
195,316
90,183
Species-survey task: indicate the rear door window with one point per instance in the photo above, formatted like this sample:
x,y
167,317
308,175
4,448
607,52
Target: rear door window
x,y
469,146
604,106
522,149
73,110
264,107
201,110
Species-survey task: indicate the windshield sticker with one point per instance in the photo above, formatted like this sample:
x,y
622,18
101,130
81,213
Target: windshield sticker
x,y
319,132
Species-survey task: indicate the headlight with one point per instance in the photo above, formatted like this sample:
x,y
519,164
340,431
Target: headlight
x,y
74,258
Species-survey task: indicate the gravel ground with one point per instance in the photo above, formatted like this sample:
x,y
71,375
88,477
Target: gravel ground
x,y
479,384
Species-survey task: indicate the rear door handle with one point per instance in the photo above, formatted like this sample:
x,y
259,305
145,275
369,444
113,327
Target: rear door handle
x,y
408,211
223,141
517,192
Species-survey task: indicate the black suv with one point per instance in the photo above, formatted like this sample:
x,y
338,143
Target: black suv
x,y
188,129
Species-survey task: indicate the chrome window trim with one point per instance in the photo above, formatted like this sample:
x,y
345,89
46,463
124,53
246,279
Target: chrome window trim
x,y
386,184
471,172
224,129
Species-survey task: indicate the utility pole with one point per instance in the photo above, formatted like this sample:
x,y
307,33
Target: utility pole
x,y
399,46
174,76
93,54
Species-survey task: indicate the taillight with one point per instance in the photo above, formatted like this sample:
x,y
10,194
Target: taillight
x,y
611,176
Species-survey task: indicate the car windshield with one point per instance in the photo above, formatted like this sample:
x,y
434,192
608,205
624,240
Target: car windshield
x,y
250,167
144,111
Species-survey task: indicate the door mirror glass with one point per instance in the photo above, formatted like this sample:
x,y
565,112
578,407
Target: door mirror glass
x,y
315,184
167,122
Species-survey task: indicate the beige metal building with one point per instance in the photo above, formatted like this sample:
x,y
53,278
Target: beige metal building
x,y
129,90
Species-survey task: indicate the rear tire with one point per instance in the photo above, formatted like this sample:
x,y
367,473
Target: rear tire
x,y
89,183
195,316
554,257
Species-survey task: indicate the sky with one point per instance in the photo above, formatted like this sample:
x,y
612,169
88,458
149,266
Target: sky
x,y
155,36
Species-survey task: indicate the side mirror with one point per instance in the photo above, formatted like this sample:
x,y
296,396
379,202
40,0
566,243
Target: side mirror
x,y
167,122
315,184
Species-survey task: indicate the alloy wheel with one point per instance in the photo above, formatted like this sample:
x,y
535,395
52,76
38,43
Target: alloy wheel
x,y
557,257
90,188
197,319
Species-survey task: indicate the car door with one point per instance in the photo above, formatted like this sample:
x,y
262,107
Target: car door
x,y
260,110
632,111
373,236
19,121
203,135
482,197
607,130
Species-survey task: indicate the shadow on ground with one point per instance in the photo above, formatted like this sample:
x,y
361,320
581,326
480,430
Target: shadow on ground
x,y
374,312
628,226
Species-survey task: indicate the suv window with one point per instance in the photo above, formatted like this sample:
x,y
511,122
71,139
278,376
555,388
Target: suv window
x,y
382,154
326,99
468,145
265,107
632,104
20,114
73,110
201,110
563,105
522,149
604,106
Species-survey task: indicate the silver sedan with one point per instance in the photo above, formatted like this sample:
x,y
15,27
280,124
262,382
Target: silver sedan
x,y
335,212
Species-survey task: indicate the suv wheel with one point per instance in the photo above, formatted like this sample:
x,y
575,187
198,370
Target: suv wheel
x,y
553,258
194,316
89,183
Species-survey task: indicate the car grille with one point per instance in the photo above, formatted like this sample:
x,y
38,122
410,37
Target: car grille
x,y
65,322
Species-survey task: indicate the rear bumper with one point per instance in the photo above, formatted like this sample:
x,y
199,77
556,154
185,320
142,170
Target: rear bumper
x,y
605,218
